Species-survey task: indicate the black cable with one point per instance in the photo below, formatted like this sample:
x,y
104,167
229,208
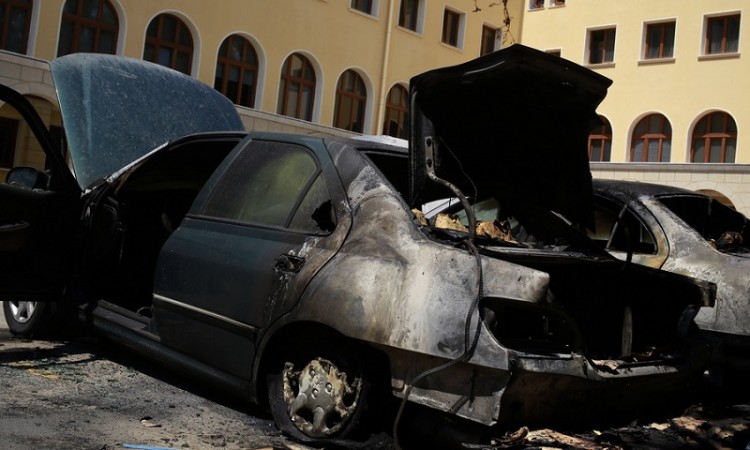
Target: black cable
x,y
470,344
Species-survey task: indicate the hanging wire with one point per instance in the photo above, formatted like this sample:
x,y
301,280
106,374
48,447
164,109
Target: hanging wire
x,y
507,35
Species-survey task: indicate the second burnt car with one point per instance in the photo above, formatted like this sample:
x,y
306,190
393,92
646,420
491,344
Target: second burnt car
x,y
293,270
686,232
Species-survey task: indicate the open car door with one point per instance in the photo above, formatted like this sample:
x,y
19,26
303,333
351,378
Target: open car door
x,y
38,216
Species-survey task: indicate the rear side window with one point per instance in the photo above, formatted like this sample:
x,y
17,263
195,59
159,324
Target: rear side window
x,y
618,228
707,216
274,184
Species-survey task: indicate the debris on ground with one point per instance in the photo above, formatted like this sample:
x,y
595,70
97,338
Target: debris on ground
x,y
701,427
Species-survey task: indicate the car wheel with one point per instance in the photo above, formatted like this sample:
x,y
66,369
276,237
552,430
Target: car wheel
x,y
319,397
33,319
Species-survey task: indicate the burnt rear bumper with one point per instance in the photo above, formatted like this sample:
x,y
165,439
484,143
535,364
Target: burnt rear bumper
x,y
574,389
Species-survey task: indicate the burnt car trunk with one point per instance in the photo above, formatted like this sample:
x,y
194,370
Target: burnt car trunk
x,y
617,310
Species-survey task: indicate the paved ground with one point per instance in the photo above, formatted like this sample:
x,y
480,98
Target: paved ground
x,y
82,394
85,394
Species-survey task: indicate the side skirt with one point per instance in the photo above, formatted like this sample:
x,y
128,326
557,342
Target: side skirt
x,y
132,331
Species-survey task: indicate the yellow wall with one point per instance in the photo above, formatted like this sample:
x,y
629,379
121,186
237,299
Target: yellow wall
x,y
682,89
332,35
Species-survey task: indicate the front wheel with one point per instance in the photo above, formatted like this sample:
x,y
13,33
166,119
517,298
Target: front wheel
x,y
316,397
33,319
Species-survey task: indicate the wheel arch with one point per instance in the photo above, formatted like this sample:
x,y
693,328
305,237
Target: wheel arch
x,y
302,334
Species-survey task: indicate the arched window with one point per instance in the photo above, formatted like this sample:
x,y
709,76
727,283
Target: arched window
x,y
237,70
88,26
651,140
600,141
396,112
15,18
714,139
297,89
169,43
351,98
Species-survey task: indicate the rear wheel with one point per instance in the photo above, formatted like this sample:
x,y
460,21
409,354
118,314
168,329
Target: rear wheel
x,y
321,393
33,319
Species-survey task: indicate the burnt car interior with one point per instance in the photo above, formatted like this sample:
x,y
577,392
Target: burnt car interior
x,y
589,304
129,223
725,228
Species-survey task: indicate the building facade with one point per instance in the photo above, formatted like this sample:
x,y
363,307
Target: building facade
x,y
679,98
327,67
674,114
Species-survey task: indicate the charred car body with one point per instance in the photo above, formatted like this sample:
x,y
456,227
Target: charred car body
x,y
689,233
292,268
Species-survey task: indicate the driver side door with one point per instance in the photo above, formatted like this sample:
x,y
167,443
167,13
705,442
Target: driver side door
x,y
38,213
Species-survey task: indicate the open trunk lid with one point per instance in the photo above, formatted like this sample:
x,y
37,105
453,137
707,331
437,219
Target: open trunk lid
x,y
513,124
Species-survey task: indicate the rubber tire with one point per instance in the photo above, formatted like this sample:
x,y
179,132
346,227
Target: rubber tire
x,y
346,359
47,320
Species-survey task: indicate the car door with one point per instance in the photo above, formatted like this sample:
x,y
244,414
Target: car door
x,y
38,211
262,226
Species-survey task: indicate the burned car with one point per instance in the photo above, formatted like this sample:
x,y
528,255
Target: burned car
x,y
690,233
292,269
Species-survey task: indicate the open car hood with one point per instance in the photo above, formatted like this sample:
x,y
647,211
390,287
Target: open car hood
x,y
512,124
117,109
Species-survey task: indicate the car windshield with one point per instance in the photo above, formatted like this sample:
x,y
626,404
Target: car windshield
x,y
116,110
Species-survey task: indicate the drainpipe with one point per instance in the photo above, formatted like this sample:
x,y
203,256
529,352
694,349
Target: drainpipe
x,y
384,65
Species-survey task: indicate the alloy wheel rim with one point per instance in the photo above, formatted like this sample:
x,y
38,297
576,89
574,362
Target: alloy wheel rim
x,y
22,312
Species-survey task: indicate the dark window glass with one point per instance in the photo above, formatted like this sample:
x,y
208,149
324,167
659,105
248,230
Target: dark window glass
x,y
237,71
265,185
714,139
169,43
8,134
451,25
651,140
362,5
659,40
722,34
88,26
600,142
536,4
396,112
15,19
409,14
490,39
297,90
315,214
602,46
351,98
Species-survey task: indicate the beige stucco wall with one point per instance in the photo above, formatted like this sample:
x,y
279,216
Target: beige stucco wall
x,y
683,89
333,36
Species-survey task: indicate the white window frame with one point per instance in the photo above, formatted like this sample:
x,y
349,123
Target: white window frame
x,y
461,27
373,12
420,18
587,49
704,32
644,35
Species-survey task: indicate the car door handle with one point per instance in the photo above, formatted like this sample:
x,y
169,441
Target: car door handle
x,y
288,264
